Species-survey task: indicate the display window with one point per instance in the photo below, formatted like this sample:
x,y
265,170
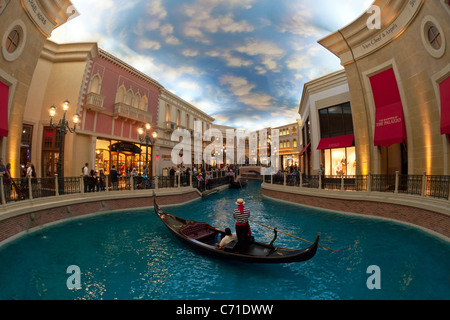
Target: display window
x,y
341,161
122,155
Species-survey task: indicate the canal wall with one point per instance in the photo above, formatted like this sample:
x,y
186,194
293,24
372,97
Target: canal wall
x,y
20,218
431,215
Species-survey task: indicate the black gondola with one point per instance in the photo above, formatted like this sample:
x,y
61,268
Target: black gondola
x,y
238,184
203,237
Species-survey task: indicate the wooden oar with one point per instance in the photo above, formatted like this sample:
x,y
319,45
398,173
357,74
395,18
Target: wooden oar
x,y
290,235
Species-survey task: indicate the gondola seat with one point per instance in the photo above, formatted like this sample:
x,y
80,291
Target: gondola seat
x,y
197,231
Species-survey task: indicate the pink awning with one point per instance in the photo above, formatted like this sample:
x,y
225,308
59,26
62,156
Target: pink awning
x,y
336,142
445,106
4,98
304,149
389,119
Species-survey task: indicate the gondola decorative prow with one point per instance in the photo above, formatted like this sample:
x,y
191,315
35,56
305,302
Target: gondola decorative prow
x,y
274,237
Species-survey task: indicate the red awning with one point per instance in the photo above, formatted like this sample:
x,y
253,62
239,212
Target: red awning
x,y
389,119
4,97
445,106
304,149
336,142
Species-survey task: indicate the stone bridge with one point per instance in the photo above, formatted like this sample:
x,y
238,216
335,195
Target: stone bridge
x,y
252,172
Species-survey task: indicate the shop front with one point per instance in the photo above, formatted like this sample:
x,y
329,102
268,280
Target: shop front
x,y
339,155
122,155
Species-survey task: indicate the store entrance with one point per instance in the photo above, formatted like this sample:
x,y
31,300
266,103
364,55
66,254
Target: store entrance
x,y
394,158
123,160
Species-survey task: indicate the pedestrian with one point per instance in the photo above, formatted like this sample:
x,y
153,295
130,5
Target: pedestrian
x,y
101,180
321,173
85,172
241,214
208,180
172,177
93,184
114,175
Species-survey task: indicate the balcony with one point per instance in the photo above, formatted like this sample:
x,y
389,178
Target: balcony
x,y
94,102
169,126
126,111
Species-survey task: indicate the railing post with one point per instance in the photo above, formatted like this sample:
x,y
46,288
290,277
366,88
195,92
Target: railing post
x,y
301,180
190,178
396,181
30,190
156,182
424,182
284,181
320,182
449,189
56,185
179,180
106,182
132,182
342,182
2,190
271,179
369,182
81,184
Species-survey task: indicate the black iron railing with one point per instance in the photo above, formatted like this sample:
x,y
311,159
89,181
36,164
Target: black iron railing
x,y
420,185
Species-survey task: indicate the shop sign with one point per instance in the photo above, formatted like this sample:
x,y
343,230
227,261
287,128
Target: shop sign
x,y
125,147
37,15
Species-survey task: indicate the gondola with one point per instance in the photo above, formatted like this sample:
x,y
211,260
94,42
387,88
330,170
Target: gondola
x,y
203,238
238,184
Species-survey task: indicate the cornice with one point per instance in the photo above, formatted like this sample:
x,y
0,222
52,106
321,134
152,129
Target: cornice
x,y
123,65
69,52
321,84
356,40
172,98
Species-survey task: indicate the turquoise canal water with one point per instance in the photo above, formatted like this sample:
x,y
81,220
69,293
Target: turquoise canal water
x,y
131,255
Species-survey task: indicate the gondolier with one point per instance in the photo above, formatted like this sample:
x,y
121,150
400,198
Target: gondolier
x,y
241,215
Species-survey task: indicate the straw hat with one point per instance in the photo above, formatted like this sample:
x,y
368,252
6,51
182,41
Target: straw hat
x,y
240,201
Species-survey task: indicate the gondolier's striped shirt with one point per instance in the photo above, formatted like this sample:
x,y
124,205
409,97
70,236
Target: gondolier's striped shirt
x,y
241,218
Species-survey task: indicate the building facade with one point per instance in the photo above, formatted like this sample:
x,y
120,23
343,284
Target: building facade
x,y
398,82
117,100
327,135
25,27
175,113
289,146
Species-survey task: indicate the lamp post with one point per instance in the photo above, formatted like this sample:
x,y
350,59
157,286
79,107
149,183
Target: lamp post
x,y
147,139
63,127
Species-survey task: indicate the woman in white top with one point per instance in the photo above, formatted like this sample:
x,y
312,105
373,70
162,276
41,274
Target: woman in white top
x,y
227,239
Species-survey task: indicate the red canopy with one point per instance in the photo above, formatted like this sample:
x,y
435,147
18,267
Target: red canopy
x,y
389,119
445,106
305,148
4,97
336,142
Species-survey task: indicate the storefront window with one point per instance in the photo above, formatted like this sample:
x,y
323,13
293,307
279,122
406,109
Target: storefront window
x,y
340,161
123,155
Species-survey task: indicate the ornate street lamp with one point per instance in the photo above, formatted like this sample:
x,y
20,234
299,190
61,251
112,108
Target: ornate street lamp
x,y
63,127
147,139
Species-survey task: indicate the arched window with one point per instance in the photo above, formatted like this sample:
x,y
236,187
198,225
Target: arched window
x,y
168,115
129,99
144,103
178,117
96,84
121,94
137,101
